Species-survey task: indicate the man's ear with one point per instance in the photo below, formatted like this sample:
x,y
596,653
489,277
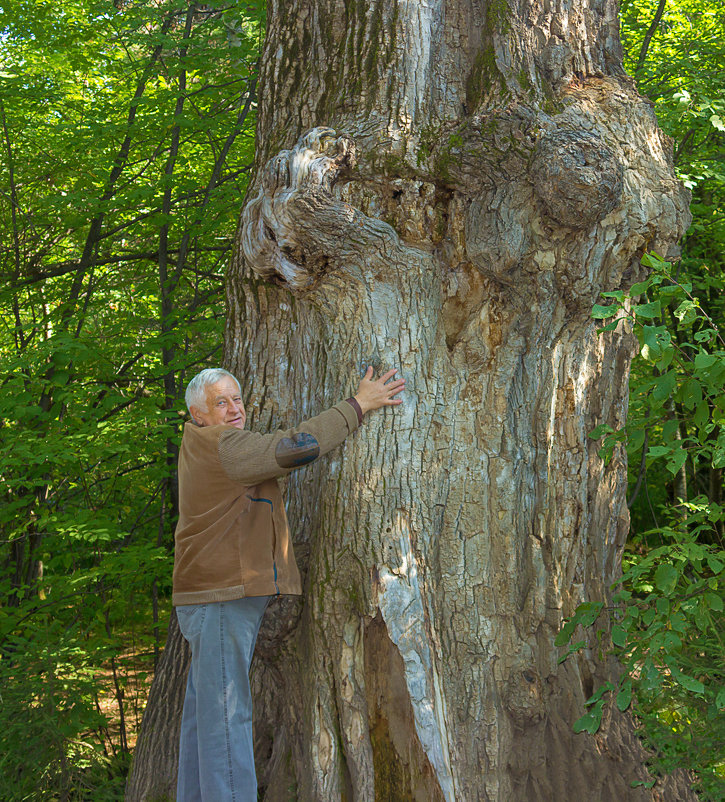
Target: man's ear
x,y
194,412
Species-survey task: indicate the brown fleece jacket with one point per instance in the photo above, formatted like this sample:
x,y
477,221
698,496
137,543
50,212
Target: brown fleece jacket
x,y
232,539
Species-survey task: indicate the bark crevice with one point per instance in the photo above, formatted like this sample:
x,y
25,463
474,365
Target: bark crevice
x,y
402,769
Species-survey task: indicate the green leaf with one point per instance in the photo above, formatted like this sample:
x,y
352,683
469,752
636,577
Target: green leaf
x,y
687,682
663,606
691,393
677,460
678,623
599,693
565,633
682,97
624,697
720,698
666,578
611,326
587,613
636,440
654,340
670,430
643,783
575,647
651,353
648,311
704,335
665,385
600,431
590,721
716,565
639,287
666,359
714,602
686,312
60,378
600,312
702,414
653,260
703,361
619,636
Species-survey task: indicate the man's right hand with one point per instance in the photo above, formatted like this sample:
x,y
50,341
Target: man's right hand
x,y
375,393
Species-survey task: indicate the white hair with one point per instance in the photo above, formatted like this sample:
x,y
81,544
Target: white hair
x,y
196,388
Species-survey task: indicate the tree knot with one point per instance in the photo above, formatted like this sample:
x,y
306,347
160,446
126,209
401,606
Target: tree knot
x,y
523,696
576,176
271,241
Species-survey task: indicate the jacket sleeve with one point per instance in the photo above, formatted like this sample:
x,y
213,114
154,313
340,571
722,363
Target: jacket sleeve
x,y
250,458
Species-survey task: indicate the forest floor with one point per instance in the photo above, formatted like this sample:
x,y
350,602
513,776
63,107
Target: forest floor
x,y
124,687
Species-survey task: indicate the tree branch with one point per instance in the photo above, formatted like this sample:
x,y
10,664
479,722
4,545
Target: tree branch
x,y
166,286
119,163
642,468
16,234
64,268
216,174
648,36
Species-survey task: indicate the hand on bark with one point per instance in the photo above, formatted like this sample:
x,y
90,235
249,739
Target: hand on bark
x,y
373,394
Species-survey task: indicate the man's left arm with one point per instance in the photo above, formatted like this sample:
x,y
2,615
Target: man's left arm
x,y
250,458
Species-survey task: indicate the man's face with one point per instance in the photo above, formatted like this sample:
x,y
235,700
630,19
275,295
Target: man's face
x,y
223,405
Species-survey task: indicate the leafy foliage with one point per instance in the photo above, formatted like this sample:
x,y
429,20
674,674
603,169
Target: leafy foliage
x,y
127,133
667,625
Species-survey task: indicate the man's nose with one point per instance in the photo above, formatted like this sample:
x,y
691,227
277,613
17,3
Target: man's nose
x,y
236,406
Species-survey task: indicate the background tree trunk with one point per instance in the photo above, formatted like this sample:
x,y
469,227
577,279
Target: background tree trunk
x,y
488,171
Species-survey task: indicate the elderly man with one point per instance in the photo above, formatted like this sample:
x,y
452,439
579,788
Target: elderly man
x,y
233,553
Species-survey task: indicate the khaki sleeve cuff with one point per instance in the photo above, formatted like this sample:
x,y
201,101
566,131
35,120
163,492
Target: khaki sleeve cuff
x,y
348,411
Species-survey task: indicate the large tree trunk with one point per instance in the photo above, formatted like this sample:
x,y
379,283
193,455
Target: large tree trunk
x,y
487,171
156,755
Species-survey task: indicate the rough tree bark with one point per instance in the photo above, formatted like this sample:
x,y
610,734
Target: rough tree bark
x,y
484,172
156,755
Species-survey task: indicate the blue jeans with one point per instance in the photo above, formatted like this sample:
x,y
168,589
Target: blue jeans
x,y
216,753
